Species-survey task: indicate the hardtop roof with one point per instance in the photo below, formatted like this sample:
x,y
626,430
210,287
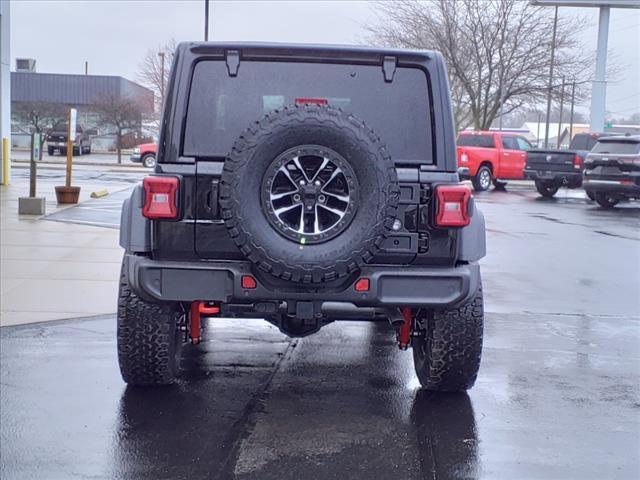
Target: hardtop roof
x,y
310,49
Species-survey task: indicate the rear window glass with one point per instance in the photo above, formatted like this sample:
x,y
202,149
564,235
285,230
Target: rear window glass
x,y
622,148
485,141
221,107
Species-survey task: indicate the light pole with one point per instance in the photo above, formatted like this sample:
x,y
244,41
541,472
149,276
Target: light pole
x,y
599,89
161,55
206,20
550,87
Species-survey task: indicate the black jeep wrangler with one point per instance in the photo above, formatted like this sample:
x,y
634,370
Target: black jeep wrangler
x,y
303,184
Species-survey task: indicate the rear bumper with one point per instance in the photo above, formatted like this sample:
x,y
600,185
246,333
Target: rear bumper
x,y
620,187
563,178
389,286
464,173
136,158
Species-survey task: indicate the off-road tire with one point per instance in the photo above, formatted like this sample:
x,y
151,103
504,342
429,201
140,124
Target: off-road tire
x,y
50,151
446,354
148,339
245,216
480,184
546,189
605,200
149,160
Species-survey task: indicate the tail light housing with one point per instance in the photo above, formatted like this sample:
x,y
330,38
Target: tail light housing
x,y
577,162
452,206
160,197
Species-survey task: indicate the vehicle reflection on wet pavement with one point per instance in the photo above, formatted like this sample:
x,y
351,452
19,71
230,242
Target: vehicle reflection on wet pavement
x,y
556,397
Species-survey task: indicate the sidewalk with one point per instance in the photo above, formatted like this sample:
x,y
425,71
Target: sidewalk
x,y
51,270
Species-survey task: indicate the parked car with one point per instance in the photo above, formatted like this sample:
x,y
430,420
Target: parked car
x,y
57,140
491,157
145,153
310,196
612,170
552,169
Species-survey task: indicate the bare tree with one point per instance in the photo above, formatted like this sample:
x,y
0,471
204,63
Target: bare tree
x,y
497,51
40,117
154,72
122,114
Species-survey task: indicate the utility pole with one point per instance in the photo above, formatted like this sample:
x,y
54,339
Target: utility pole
x,y
501,101
206,20
550,87
538,133
86,68
561,111
161,55
573,100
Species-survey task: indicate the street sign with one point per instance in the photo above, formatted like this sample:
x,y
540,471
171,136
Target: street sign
x,y
35,154
73,116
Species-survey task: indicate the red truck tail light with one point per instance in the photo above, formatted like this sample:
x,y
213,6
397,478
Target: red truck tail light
x,y
160,197
452,206
577,162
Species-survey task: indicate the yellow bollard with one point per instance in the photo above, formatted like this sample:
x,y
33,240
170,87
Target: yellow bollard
x,y
6,165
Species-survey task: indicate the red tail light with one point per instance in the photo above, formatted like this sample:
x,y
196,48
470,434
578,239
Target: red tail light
x,y
577,161
362,285
248,282
452,206
160,197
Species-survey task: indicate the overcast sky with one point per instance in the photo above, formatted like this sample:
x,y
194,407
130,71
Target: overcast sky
x,y
114,35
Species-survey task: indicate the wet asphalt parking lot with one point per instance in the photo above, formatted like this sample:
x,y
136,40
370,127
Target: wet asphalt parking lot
x,y
558,394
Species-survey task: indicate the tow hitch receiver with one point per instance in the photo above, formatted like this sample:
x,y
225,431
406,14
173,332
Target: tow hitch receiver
x,y
404,334
199,309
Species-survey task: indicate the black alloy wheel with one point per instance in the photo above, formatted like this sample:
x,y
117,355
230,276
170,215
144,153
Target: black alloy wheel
x,y
309,194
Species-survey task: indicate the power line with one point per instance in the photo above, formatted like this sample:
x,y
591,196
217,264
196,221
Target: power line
x,y
624,98
636,108
626,28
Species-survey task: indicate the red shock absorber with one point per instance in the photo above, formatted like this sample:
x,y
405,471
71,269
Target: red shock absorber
x,y
197,310
404,335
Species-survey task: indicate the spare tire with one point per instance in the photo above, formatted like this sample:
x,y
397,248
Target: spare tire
x,y
309,193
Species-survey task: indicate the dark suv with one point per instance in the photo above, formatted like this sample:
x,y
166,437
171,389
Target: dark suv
x,y
304,184
57,140
612,170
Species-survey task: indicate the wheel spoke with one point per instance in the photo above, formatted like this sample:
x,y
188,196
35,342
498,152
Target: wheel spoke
x,y
301,227
282,210
286,173
296,161
342,198
320,168
340,213
316,221
335,173
278,196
